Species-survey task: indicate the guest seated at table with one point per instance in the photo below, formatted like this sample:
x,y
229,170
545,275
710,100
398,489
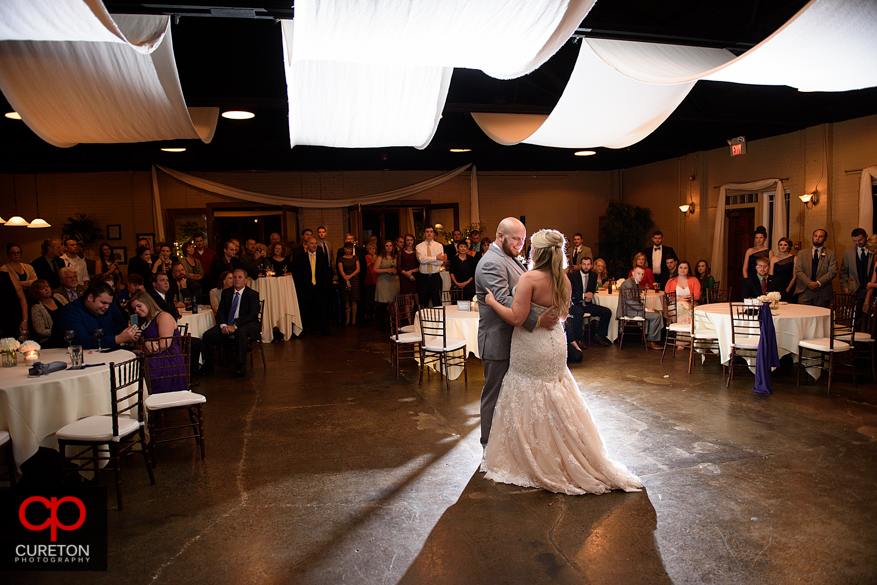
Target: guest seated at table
x,y
95,310
154,323
194,270
70,289
648,278
760,282
671,265
702,272
226,280
24,271
43,312
278,260
584,286
603,278
687,289
141,263
106,268
654,322
135,283
160,293
183,289
237,319
463,272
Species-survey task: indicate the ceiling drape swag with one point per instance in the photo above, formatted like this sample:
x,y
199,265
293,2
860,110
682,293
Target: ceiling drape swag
x,y
866,198
244,195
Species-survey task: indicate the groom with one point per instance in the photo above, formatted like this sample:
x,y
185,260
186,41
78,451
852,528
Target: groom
x,y
498,272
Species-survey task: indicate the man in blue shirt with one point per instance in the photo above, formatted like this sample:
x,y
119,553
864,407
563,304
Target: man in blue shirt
x,y
96,310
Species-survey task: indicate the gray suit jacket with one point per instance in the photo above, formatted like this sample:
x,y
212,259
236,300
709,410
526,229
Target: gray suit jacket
x,y
849,270
826,271
630,283
499,273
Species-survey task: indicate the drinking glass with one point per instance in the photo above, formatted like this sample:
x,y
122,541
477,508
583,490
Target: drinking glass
x,y
76,356
69,336
98,334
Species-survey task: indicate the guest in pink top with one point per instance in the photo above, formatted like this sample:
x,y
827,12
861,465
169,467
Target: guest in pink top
x,y
648,276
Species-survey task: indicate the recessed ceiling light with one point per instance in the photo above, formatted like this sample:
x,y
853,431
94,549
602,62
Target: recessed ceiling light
x,y
586,153
461,150
238,115
13,115
173,149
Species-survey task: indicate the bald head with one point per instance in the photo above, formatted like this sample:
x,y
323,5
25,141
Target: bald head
x,y
507,225
510,236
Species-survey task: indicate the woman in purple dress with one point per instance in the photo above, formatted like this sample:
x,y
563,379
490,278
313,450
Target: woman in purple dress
x,y
164,356
408,267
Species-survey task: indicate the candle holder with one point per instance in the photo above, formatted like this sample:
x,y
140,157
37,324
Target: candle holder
x,y
8,359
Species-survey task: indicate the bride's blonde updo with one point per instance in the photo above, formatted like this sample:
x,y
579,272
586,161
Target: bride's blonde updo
x,y
547,253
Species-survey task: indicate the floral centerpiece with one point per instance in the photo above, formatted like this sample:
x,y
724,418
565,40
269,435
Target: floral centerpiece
x,y
9,352
773,298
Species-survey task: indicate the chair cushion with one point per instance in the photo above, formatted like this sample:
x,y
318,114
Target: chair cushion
x,y
860,337
97,429
743,342
680,327
173,400
450,344
406,338
632,318
4,437
822,344
406,329
705,334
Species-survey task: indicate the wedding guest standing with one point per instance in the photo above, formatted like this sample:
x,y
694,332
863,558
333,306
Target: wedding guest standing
x,y
191,263
871,246
483,246
141,263
163,263
856,267
225,281
348,272
578,251
368,290
203,253
48,266
704,277
43,312
759,250
782,269
228,260
656,258
106,268
279,262
687,289
387,286
408,266
815,268
72,248
431,257
463,272
648,278
313,278
14,316
23,270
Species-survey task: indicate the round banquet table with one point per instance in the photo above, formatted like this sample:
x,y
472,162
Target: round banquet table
x,y
281,306
199,323
654,301
33,409
459,325
792,323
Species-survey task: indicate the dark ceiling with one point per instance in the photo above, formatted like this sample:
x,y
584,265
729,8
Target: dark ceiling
x,y
229,55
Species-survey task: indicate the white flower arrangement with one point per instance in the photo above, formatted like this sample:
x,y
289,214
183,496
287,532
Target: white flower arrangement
x,y
619,282
29,345
9,344
771,297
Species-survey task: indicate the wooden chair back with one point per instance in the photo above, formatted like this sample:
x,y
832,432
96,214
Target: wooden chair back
x,y
745,321
126,390
450,297
718,295
670,309
843,318
433,325
631,303
177,348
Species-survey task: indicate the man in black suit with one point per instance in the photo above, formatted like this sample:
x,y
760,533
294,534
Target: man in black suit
x,y
656,258
584,286
759,283
160,293
226,260
182,288
451,247
237,318
312,276
49,265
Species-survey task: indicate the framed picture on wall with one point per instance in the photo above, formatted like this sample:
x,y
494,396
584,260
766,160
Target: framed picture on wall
x,y
114,232
149,237
121,255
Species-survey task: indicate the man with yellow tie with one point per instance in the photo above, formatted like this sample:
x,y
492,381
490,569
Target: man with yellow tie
x,y
431,256
310,270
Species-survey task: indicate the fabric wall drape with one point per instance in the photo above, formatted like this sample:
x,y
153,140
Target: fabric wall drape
x,y
474,210
866,198
244,195
157,222
719,250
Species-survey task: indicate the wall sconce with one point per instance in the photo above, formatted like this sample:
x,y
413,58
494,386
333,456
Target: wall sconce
x,y
809,199
688,208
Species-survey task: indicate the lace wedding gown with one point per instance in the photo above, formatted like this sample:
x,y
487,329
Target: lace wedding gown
x,y
542,434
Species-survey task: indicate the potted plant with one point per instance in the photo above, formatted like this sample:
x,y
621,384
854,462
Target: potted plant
x,y
80,228
623,233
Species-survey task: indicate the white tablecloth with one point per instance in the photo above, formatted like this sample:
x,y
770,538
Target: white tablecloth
x,y
199,323
281,306
33,409
654,301
792,323
459,325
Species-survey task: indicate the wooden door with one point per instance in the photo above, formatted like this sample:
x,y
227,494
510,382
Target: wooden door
x,y
741,226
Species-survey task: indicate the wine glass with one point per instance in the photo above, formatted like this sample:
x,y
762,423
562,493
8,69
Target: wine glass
x,y
98,334
69,336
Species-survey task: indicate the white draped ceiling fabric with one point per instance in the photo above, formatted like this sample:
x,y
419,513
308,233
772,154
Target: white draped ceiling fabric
x,y
244,195
866,198
371,74
621,91
719,252
75,74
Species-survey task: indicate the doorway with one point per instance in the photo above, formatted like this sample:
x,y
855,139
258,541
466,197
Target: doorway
x,y
741,225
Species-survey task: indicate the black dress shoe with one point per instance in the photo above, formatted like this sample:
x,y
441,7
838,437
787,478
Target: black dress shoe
x,y
602,341
205,371
240,372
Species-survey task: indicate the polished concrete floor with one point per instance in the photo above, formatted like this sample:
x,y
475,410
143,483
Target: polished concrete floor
x,y
326,469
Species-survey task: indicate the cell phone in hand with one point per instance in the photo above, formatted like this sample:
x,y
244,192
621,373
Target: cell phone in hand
x,y
134,320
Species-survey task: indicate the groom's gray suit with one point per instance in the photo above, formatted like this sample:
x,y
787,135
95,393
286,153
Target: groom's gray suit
x,y
499,273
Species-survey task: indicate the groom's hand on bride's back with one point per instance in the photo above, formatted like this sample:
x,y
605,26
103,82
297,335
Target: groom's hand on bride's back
x,y
548,319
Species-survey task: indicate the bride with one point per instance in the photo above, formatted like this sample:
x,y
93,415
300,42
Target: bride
x,y
542,434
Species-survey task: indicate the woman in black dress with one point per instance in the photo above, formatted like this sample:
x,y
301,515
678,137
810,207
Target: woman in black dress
x,y
107,270
463,272
13,317
759,250
141,263
277,260
782,268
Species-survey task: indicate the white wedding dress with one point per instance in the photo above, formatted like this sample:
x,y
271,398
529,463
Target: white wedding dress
x,y
542,434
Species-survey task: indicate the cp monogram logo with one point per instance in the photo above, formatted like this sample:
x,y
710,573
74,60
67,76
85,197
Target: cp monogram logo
x,y
52,522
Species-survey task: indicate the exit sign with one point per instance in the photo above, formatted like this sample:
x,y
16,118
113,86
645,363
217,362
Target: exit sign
x,y
738,145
